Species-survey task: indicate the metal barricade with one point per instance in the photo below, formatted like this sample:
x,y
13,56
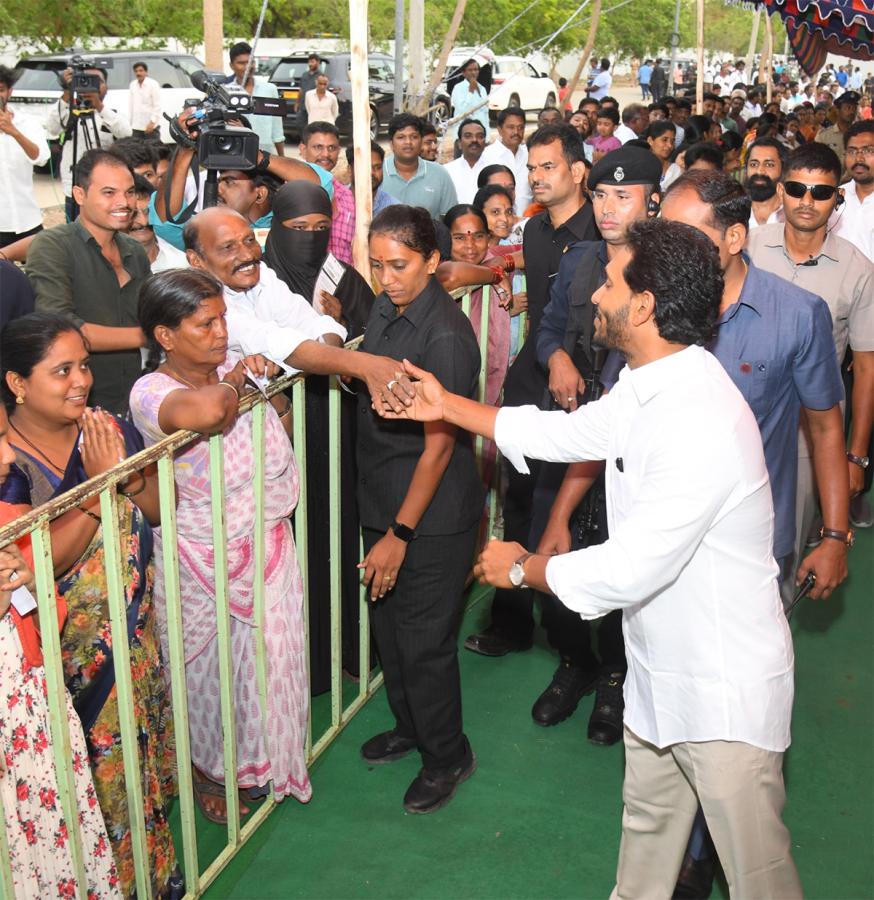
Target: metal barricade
x,y
36,524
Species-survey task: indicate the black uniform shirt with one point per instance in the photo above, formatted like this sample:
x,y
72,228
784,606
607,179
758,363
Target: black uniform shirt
x,y
435,335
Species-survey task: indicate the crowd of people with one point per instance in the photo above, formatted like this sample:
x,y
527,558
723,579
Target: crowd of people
x,y
699,341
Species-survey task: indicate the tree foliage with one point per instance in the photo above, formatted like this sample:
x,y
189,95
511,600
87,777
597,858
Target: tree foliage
x,y
627,27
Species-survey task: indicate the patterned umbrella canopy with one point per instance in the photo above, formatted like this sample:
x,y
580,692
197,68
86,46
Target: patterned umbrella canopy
x,y
819,27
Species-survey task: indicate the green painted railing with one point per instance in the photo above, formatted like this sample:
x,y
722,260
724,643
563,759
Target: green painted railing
x,y
37,525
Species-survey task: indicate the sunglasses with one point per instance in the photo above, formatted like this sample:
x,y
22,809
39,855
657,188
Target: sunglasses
x,y
818,191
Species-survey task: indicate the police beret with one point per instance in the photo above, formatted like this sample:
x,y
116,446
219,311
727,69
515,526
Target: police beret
x,y
626,165
848,97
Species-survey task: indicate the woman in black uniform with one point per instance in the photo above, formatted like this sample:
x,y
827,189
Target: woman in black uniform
x,y
420,500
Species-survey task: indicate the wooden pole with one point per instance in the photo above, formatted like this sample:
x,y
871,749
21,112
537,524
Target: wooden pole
x,y
751,50
769,37
358,76
213,35
699,75
587,51
416,48
448,43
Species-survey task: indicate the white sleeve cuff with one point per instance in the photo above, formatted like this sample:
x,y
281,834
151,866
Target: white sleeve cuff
x,y
508,423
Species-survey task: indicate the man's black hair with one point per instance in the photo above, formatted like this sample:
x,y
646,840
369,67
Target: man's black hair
x,y
683,103
140,65
605,64
729,203
571,145
709,95
89,161
428,128
608,112
609,101
374,148
405,120
135,152
318,128
679,266
142,186
654,106
313,55
815,157
504,114
706,151
239,49
586,101
470,121
863,126
7,76
768,142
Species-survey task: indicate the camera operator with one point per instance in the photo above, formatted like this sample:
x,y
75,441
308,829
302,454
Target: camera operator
x,y
172,206
22,146
109,124
271,137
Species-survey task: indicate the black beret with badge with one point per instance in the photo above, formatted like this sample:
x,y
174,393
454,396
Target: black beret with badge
x,y
626,165
849,97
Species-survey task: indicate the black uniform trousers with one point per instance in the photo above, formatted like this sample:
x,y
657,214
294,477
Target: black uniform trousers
x,y
415,627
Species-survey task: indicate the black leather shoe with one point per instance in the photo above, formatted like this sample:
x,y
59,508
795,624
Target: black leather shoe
x,y
605,723
569,684
493,643
695,881
431,791
387,747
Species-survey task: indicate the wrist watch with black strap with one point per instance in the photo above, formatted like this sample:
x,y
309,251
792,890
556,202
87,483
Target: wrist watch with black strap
x,y
517,571
860,461
402,532
845,537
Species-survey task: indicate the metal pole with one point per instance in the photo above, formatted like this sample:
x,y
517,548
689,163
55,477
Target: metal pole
x,y
358,77
213,34
675,43
399,55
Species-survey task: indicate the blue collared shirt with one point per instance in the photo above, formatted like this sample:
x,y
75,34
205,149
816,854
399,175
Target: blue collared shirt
x,y
431,187
776,345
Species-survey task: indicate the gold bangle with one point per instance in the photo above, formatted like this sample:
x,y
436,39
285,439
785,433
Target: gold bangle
x,y
227,384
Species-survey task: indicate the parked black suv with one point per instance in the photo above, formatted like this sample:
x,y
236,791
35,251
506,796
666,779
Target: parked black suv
x,y
336,66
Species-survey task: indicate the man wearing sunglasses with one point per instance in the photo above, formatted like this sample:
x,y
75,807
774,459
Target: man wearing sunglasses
x,y
805,252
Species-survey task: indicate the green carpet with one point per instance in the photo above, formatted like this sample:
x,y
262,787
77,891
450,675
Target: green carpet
x,y
541,816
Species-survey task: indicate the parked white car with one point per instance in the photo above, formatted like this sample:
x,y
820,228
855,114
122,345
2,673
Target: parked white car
x,y
515,82
38,86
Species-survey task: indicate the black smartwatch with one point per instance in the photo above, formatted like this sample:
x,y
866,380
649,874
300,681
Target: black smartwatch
x,y
402,532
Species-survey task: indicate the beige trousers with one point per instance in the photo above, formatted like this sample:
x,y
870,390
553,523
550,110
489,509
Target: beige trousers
x,y
740,788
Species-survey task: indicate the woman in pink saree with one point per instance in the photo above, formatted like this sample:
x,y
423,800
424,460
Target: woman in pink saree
x,y
196,387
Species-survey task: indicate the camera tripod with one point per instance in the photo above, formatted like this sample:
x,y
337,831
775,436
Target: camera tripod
x,y
81,119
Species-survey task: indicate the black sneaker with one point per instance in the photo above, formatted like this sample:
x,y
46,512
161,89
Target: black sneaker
x,y
387,747
605,723
492,642
568,686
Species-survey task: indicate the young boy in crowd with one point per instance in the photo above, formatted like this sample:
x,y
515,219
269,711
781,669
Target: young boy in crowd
x,y
604,141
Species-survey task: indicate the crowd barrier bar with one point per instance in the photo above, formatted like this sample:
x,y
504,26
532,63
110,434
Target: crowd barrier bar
x,y
36,525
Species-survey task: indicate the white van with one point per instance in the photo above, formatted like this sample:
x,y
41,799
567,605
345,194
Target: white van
x,y
38,85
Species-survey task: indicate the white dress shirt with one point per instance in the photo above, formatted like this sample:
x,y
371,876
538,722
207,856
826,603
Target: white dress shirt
x,y
773,219
625,134
19,210
854,219
498,153
321,109
689,557
464,177
145,103
601,84
271,320
111,126
168,257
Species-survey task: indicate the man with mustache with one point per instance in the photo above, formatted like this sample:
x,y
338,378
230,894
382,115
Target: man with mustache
x,y
764,168
161,254
264,316
465,170
91,271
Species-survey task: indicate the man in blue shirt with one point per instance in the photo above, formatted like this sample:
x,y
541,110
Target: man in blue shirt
x,y
775,341
644,74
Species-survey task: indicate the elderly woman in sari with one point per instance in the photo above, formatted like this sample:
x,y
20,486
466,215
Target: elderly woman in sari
x,y
194,384
59,443
296,250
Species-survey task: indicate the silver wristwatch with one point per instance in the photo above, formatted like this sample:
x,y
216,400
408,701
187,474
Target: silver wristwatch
x,y
861,461
517,571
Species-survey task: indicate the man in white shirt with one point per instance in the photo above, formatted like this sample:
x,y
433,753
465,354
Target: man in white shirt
x,y
708,696
509,149
321,104
854,221
100,128
762,181
599,86
635,119
271,137
264,316
22,146
145,103
162,255
465,170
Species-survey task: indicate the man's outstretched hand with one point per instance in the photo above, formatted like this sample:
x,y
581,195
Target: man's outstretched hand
x,y
427,402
